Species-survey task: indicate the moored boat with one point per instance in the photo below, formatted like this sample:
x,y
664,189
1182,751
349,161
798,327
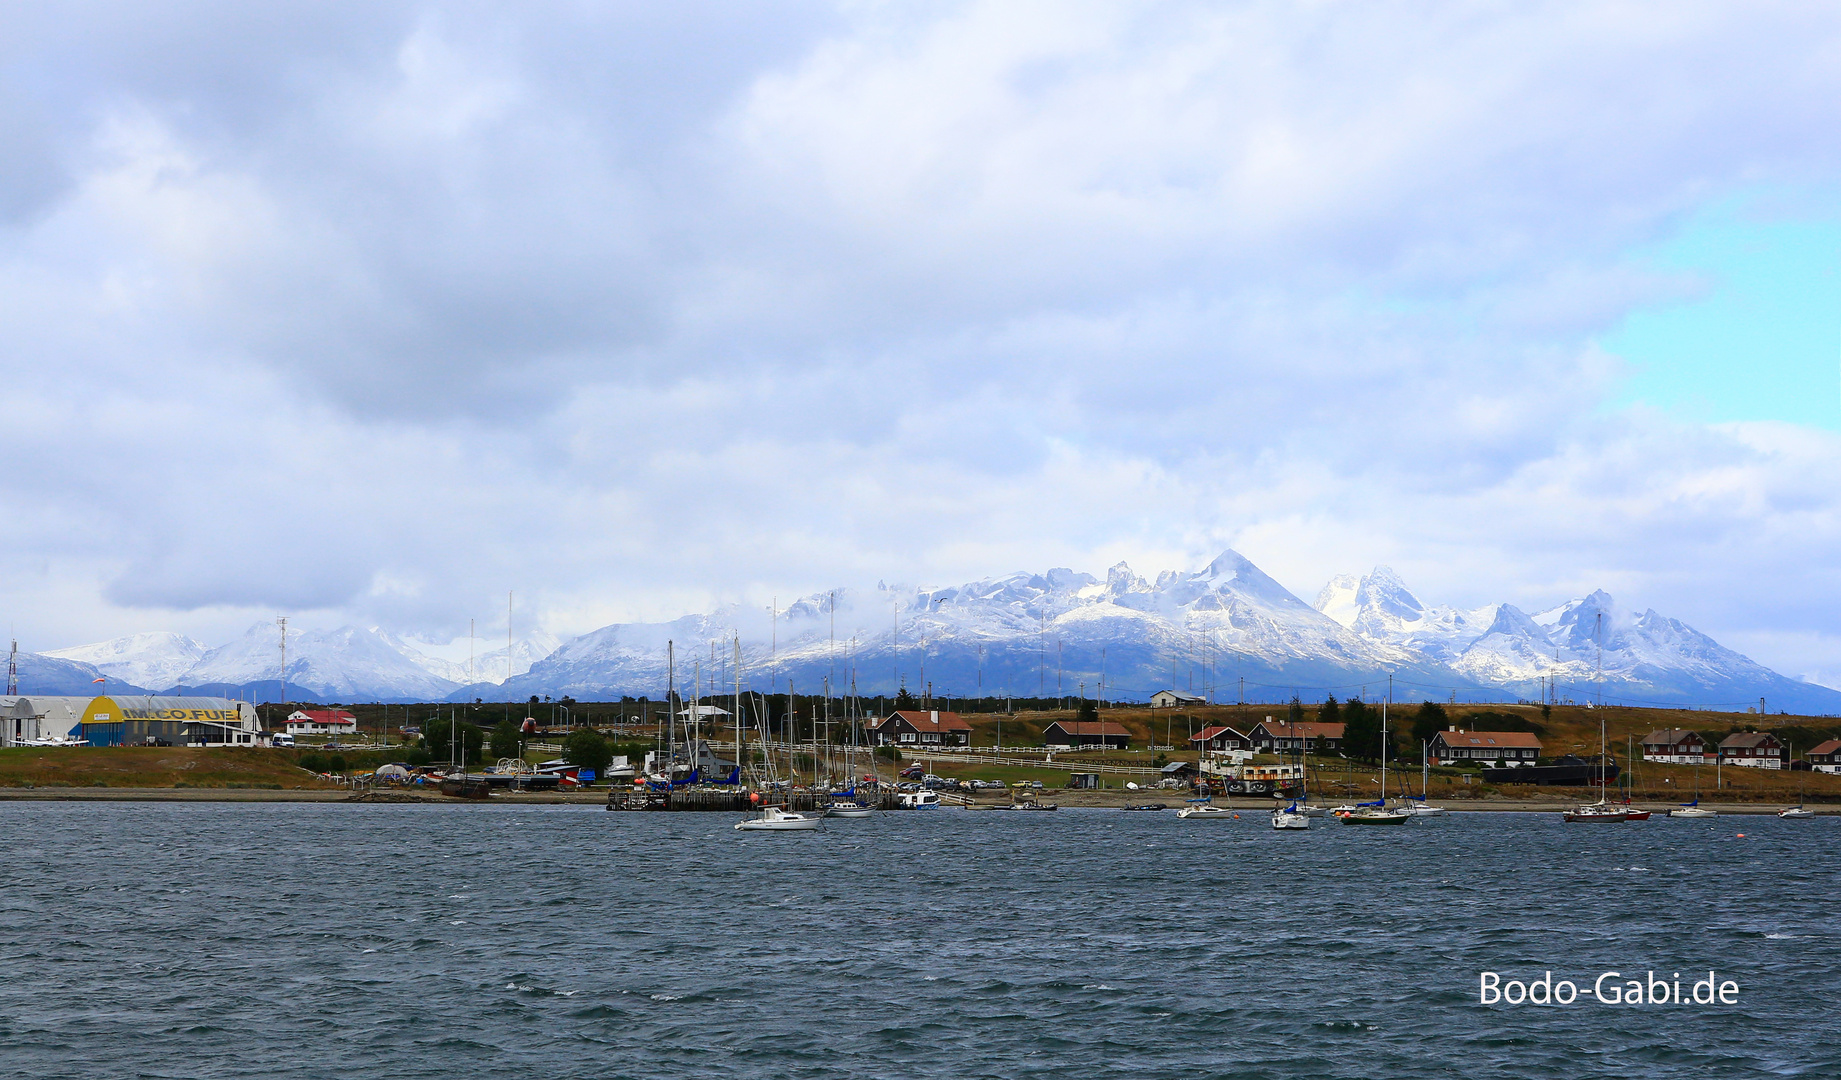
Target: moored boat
x,y
1290,817
1596,814
775,819
1206,810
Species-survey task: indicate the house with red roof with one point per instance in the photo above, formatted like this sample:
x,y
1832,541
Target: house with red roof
x,y
1495,748
322,722
922,729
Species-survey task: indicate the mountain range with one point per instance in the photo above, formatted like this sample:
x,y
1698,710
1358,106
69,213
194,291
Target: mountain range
x,y
1227,631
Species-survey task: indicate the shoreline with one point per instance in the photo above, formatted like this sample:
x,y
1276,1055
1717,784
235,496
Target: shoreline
x,y
1069,799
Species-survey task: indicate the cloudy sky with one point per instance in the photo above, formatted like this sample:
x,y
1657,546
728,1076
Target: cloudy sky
x,y
372,312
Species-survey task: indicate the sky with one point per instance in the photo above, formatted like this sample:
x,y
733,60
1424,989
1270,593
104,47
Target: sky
x,y
372,313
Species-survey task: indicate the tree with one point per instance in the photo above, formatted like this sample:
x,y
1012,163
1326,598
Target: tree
x,y
904,700
1089,711
1329,712
505,738
1361,732
1294,712
469,737
586,749
1429,721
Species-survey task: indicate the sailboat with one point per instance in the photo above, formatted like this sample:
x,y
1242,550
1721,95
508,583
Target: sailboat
x,y
1377,813
1693,809
1290,817
1416,804
1799,812
1600,812
1630,812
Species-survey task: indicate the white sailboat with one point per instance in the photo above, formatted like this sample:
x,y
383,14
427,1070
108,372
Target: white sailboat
x,y
1290,817
1799,812
1419,807
1378,813
1693,809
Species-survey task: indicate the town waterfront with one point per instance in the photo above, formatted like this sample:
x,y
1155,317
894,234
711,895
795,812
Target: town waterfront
x,y
314,940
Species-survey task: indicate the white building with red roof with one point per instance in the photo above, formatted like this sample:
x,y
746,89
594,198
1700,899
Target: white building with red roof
x,y
322,722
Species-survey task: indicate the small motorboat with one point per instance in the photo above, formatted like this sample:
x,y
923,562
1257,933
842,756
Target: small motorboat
x,y
848,808
774,819
1146,806
920,800
1692,810
1290,817
1206,810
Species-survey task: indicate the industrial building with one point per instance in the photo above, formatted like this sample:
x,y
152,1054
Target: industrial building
x,y
35,720
171,721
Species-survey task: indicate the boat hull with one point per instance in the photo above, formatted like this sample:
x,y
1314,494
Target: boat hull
x,y
1382,818
1283,820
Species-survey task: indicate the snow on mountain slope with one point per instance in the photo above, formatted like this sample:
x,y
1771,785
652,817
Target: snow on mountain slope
x,y
1645,657
157,660
488,668
347,664
56,676
1054,633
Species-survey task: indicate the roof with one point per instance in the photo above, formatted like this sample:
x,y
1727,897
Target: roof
x,y
931,720
1669,736
1747,738
1180,696
1177,766
1215,732
1485,740
1828,747
321,716
1303,729
1089,727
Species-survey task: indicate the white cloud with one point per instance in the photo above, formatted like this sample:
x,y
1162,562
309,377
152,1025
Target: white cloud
x,y
374,312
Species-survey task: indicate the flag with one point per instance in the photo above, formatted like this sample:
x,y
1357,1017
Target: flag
x,y
105,678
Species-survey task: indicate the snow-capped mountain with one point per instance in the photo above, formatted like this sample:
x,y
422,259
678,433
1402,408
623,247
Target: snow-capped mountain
x,y
55,676
158,659
1058,633
1027,635
347,664
1646,657
488,669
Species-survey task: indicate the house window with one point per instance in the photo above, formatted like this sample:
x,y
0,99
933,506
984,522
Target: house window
x,y
907,736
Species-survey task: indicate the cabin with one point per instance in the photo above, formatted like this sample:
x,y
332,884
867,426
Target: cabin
x,y
1176,699
922,730
322,722
1497,749
1752,750
1305,736
1220,738
1675,746
1067,734
1824,757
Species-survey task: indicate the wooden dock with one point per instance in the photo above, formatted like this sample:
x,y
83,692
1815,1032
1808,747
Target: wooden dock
x,y
734,800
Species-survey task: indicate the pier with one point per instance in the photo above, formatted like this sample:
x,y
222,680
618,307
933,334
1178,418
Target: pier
x,y
735,800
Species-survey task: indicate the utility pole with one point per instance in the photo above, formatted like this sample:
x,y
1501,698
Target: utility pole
x,y
282,621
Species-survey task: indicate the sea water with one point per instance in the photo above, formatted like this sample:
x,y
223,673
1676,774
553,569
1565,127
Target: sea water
x,y
314,940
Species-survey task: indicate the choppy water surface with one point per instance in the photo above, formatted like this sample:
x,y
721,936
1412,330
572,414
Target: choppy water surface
x,y
186,940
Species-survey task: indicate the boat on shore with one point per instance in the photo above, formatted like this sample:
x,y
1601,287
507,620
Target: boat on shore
x,y
462,786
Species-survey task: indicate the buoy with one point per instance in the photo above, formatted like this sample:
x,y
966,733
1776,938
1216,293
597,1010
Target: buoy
x,y
754,796
1741,836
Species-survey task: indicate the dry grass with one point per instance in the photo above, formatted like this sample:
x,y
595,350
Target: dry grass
x,y
151,767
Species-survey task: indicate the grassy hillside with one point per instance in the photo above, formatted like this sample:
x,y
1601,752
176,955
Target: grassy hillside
x,y
151,767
